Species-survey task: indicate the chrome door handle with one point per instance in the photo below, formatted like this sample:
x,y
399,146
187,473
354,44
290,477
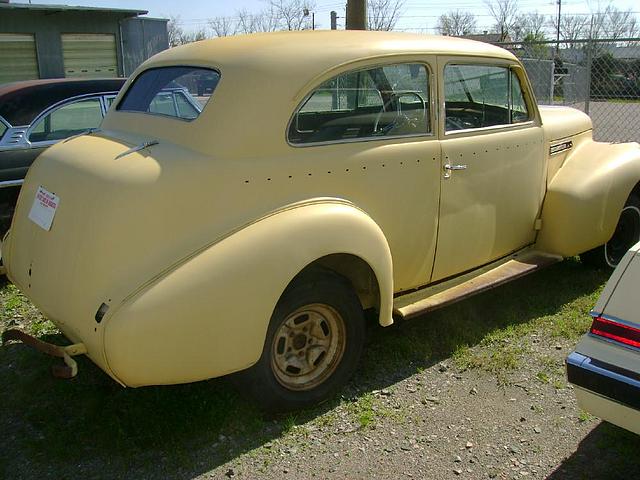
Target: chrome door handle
x,y
455,167
448,168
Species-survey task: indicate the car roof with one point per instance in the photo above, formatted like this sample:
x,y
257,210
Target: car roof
x,y
310,53
22,102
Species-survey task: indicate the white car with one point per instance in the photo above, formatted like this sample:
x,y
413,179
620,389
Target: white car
x,y
605,366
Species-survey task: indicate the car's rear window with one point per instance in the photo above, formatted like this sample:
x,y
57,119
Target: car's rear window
x,y
180,92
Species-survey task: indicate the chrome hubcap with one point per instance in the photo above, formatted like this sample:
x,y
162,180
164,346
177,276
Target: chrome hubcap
x,y
308,347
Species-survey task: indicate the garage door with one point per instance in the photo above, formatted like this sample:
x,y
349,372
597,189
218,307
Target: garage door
x,y
18,60
89,55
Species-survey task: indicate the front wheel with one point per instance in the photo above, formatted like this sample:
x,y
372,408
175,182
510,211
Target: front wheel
x,y
313,344
626,234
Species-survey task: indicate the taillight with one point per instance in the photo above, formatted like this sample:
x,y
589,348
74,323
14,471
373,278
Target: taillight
x,y
603,327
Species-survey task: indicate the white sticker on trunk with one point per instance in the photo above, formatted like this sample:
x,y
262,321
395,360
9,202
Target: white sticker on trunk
x,y
44,208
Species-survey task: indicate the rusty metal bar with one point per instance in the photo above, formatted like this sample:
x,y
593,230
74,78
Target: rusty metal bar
x,y
69,370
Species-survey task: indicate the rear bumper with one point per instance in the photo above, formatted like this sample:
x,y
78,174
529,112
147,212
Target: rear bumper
x,y
607,391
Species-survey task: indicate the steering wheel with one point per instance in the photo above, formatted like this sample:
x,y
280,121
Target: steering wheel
x,y
401,119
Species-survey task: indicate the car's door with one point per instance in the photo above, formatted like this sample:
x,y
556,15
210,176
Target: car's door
x,y
372,130
492,179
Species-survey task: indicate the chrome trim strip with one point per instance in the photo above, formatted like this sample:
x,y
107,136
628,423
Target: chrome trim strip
x,y
491,128
424,136
587,363
582,372
556,148
11,183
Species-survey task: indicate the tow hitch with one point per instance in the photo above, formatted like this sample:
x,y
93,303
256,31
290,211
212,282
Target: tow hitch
x,y
69,370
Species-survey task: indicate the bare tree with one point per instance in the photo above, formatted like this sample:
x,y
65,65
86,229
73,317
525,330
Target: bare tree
x,y
174,31
505,14
456,23
611,22
531,25
383,14
619,23
292,14
222,26
572,27
178,36
264,21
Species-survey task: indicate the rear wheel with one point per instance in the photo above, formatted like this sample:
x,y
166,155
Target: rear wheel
x,y
313,344
626,234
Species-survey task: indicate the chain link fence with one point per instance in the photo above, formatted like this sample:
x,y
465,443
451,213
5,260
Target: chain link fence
x,y
599,77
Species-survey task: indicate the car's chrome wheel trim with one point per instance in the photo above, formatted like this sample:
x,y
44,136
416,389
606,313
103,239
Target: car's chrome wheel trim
x,y
626,235
308,347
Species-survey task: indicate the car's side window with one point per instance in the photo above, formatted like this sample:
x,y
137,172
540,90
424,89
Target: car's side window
x,y
3,128
185,108
519,109
478,96
164,91
389,100
68,120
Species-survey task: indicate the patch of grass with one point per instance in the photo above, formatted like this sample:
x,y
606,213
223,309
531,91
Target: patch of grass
x,y
365,409
543,377
584,416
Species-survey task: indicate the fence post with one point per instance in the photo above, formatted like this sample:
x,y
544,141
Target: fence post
x,y
553,82
589,61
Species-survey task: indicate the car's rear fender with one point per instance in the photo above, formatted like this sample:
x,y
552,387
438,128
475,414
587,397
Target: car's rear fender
x,y
208,315
585,197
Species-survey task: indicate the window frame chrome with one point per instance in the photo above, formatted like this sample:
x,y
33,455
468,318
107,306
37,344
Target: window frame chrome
x,y
58,105
511,68
432,103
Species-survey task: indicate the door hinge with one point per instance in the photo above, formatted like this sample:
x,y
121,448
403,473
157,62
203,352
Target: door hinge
x,y
538,224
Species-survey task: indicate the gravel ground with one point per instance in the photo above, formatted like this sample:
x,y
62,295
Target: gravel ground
x,y
445,423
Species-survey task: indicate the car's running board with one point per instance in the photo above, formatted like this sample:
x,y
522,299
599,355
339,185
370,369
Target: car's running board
x,y
496,274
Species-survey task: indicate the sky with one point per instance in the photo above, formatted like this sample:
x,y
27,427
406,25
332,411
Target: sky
x,y
417,15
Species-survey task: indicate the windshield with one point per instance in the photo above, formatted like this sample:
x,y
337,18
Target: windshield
x,y
180,92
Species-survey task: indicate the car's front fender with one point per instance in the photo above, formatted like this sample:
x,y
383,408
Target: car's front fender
x,y
585,198
207,315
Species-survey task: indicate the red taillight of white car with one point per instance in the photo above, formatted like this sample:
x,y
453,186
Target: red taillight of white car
x,y
613,330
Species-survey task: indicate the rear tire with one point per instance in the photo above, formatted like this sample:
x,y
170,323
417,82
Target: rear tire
x,y
312,347
626,234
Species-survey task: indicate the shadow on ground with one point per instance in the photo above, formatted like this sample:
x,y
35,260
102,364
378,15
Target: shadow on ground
x,y
606,453
90,427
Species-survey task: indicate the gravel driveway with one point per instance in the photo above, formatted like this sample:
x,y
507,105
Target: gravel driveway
x,y
444,423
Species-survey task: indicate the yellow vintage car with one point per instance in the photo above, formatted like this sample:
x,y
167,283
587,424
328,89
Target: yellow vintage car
x,y
328,173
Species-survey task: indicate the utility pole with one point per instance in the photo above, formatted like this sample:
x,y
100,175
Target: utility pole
x,y
558,29
334,20
356,14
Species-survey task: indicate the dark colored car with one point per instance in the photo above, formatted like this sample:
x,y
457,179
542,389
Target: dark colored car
x,y
36,114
